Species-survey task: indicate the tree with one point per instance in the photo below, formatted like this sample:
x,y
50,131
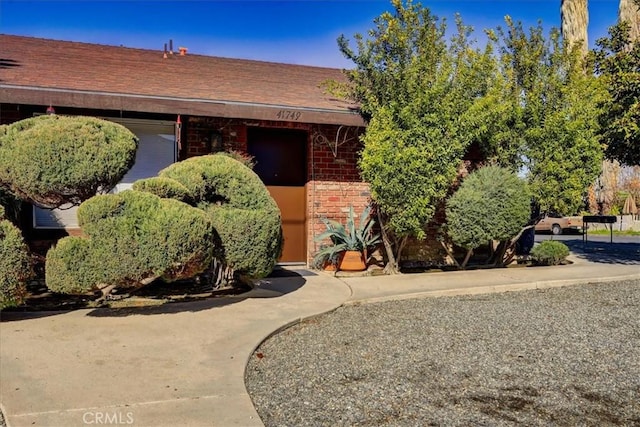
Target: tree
x,y
553,110
617,62
574,17
491,204
414,85
53,160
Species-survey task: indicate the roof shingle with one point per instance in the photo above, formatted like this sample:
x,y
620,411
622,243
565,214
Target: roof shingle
x,y
73,66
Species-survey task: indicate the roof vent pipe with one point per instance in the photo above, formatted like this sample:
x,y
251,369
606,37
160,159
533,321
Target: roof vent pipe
x,y
170,47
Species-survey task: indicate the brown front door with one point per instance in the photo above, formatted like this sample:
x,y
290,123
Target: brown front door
x,y
281,159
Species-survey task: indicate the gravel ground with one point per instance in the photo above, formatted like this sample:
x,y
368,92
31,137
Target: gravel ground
x,y
564,356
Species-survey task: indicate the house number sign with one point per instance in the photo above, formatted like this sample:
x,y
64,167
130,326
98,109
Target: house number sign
x,y
288,115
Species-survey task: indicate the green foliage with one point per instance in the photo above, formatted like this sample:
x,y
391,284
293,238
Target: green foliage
x,y
617,62
524,100
220,179
15,264
491,204
10,206
166,188
549,252
550,115
409,170
251,240
244,214
131,238
55,160
414,85
347,237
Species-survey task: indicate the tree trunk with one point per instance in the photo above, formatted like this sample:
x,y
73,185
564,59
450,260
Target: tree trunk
x,y
499,257
450,253
221,274
466,259
574,17
392,266
629,11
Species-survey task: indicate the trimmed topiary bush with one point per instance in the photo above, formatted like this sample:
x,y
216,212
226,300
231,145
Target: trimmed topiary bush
x,y
220,179
166,188
132,238
549,252
55,160
243,212
491,204
15,264
251,239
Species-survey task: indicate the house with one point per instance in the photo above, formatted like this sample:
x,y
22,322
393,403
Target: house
x,y
179,104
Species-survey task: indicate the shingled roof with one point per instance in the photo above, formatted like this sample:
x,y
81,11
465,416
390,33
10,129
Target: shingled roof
x,y
42,71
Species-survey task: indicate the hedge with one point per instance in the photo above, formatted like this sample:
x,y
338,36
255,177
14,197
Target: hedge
x,y
15,264
55,160
131,238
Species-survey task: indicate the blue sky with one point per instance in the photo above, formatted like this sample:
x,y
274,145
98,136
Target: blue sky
x,y
300,32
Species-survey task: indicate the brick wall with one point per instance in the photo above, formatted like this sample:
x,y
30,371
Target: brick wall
x,y
334,180
198,133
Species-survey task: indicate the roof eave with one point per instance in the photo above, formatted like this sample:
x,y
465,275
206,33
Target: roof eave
x,y
171,105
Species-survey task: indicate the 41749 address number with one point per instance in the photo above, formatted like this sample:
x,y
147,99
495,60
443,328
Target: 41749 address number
x,y
288,115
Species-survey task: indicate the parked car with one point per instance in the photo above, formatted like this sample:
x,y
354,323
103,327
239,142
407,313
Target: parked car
x,y
558,224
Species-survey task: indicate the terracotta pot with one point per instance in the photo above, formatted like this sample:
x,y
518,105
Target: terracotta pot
x,y
352,261
329,266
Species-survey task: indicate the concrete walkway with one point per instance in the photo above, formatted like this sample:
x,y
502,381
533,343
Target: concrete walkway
x,y
183,364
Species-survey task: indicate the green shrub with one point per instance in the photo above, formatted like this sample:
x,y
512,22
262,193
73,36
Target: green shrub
x,y
243,213
549,252
131,238
251,240
491,204
220,179
54,160
10,205
15,264
166,188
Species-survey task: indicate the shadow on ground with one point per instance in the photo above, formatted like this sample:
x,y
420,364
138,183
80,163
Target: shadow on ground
x,y
281,282
605,252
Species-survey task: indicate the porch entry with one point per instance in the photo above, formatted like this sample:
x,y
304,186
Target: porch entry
x,y
281,163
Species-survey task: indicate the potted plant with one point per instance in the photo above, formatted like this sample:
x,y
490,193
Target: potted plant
x,y
349,243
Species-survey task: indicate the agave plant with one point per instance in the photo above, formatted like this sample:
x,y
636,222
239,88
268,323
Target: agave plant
x,y
348,237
